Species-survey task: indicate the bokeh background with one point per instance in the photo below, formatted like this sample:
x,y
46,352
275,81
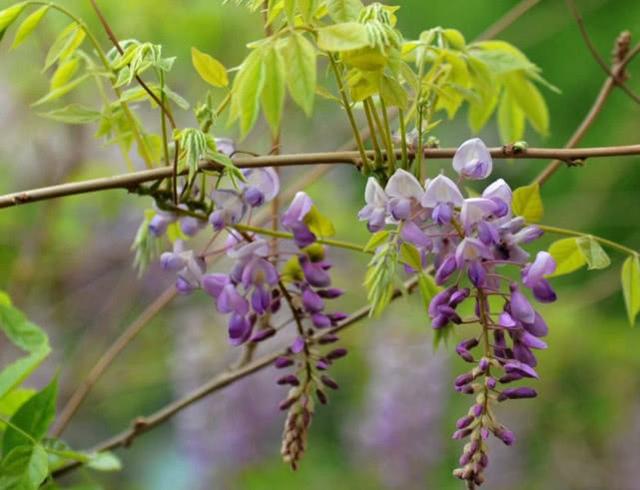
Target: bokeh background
x,y
68,265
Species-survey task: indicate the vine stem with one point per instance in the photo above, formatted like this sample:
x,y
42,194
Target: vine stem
x,y
131,181
604,241
141,425
289,236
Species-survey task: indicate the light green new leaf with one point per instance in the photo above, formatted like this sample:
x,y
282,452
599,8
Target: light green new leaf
x,y
301,71
410,256
28,26
9,15
274,87
73,114
63,73
344,10
631,286
377,239
593,253
64,45
210,69
12,401
104,461
25,335
511,119
343,37
530,100
428,288
568,256
319,224
528,203
34,417
307,8
60,91
247,89
24,468
392,92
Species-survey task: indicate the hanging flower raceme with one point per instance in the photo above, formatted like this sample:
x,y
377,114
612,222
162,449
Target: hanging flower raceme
x,y
472,243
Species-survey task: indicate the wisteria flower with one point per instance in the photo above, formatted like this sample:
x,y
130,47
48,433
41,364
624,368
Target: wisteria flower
x,y
375,210
472,160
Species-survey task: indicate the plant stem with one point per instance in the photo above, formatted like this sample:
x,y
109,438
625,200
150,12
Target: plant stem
x,y
347,108
403,140
604,241
388,138
373,132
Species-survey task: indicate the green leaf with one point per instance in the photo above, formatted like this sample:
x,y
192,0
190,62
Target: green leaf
x,y
511,119
528,203
344,10
25,335
319,224
34,417
568,256
631,286
60,91
28,25
180,101
301,71
410,256
530,100
9,15
24,468
247,89
377,239
73,114
63,73
593,253
210,69
274,88
427,287
104,461
343,37
393,93
12,401
65,44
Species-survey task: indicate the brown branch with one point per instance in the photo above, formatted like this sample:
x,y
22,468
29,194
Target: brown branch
x,y
141,425
617,75
132,180
508,19
108,357
622,59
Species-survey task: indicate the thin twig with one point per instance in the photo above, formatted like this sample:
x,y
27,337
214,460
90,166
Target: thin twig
x,y
618,76
132,180
508,19
141,425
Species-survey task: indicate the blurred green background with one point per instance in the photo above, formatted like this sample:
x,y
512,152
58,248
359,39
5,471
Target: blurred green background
x,y
68,265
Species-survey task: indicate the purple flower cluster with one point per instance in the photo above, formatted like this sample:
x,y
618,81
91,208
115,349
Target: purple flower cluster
x,y
469,242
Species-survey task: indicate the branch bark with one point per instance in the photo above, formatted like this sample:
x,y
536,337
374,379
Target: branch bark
x,y
141,425
132,180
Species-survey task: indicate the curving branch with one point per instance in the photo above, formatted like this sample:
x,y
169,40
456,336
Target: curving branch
x,y
132,181
142,425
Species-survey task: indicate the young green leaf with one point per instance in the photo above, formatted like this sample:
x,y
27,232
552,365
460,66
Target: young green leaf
x,y
530,100
34,418
344,10
630,278
319,224
593,253
301,71
210,69
392,92
63,73
428,288
247,89
24,468
568,256
274,87
410,256
343,37
377,239
73,114
64,45
12,401
9,15
528,203
511,119
28,25
60,91
104,461
25,335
